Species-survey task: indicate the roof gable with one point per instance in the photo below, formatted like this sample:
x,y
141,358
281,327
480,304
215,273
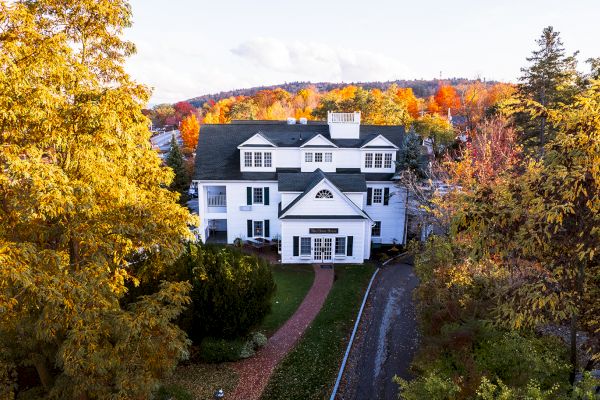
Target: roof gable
x,y
380,141
307,203
257,140
319,141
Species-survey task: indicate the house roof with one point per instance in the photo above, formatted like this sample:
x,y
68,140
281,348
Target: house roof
x,y
299,181
218,156
355,182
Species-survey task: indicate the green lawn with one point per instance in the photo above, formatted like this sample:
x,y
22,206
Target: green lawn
x,y
293,282
309,371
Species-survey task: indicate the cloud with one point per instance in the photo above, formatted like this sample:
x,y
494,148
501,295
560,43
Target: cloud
x,y
318,61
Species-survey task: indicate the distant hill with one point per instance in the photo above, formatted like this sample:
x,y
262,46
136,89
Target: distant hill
x,y
421,88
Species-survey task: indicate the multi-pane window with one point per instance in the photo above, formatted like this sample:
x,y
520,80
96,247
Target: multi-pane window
x,y
318,157
376,229
258,228
257,195
340,245
305,246
387,162
248,159
258,159
369,160
307,157
328,157
377,195
378,160
267,160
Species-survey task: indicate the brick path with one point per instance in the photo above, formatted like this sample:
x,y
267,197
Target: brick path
x,y
254,373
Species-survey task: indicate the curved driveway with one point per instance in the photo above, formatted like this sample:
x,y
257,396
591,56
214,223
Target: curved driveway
x,y
387,337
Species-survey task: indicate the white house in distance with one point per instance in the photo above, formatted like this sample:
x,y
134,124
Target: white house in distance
x,y
325,190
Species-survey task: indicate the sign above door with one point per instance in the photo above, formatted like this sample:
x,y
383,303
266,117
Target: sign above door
x,y
322,230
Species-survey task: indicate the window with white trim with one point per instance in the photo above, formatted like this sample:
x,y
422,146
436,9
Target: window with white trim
x,y
248,159
268,160
328,157
377,195
378,160
257,195
305,246
376,229
258,228
369,160
258,159
340,246
387,162
318,157
308,157
324,194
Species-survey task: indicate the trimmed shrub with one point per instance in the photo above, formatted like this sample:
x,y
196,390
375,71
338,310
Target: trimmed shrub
x,y
231,292
259,339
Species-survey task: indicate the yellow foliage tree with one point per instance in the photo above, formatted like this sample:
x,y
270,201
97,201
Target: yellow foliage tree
x,y
81,194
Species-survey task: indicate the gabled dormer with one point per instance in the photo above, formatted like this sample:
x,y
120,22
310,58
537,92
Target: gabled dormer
x,y
319,141
378,155
257,154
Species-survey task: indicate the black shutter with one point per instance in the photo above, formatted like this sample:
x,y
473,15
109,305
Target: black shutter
x,y
369,195
266,198
386,196
249,228
267,232
249,196
296,246
350,245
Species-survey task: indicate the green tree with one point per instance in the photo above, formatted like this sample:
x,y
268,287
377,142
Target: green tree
x,y
176,162
549,80
81,191
436,128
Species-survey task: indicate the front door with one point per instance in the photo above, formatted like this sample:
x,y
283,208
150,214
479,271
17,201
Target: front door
x,y
322,249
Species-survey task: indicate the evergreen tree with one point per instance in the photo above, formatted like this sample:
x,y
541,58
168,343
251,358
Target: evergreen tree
x,y
410,156
549,80
176,162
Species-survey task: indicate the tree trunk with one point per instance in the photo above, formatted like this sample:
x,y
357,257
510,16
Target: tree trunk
x,y
579,290
41,366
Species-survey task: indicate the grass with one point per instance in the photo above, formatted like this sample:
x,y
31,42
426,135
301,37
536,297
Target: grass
x,y
198,381
293,282
309,371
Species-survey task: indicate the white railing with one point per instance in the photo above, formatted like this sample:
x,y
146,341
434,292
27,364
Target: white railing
x,y
352,118
216,200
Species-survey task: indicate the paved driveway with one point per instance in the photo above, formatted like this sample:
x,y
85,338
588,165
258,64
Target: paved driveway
x,y
387,338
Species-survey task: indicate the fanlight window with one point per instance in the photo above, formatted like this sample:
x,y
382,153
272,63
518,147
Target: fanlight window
x,y
324,194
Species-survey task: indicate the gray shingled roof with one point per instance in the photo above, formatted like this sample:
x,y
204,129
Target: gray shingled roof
x,y
298,181
218,158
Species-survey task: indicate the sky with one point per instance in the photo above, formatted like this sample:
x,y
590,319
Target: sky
x,y
188,48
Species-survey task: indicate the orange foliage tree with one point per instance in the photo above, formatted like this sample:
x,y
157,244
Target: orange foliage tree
x,y
190,129
446,97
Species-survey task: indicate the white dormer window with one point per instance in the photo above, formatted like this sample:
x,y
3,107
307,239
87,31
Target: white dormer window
x,y
369,160
378,160
324,194
258,159
388,160
328,157
248,159
308,157
268,160
318,157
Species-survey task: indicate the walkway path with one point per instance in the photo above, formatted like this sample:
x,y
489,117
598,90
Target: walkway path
x,y
387,337
254,373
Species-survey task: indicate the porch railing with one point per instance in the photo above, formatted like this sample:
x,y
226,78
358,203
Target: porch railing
x,y
216,200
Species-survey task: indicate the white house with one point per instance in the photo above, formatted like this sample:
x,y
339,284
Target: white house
x,y
326,190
